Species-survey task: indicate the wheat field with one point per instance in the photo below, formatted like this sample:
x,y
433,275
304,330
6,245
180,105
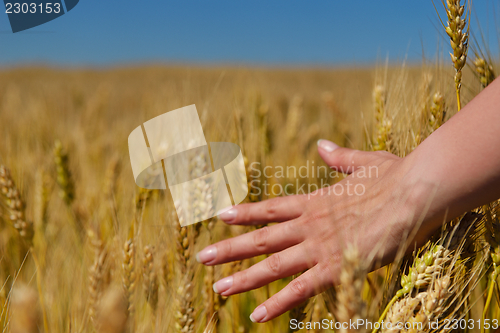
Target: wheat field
x,y
83,249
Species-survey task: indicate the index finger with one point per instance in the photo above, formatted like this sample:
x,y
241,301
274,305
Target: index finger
x,y
273,210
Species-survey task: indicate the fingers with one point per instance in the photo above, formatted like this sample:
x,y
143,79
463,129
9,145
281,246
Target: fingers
x,y
261,241
344,160
310,283
277,266
272,210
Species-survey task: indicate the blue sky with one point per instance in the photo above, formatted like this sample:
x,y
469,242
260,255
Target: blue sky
x,y
259,32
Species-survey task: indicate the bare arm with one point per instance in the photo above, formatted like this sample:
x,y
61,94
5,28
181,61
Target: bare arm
x,y
462,158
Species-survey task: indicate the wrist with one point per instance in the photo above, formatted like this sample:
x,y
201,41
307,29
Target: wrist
x,y
423,206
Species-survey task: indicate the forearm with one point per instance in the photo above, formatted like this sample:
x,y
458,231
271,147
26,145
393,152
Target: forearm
x,y
457,168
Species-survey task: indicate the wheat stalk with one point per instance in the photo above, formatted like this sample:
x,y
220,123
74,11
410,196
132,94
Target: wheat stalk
x,y
458,40
185,318
129,275
213,301
96,274
383,123
64,178
41,199
492,237
424,100
110,184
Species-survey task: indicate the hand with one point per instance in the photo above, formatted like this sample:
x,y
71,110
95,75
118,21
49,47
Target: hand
x,y
374,209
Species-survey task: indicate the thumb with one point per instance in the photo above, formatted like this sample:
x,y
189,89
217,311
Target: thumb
x,y
344,160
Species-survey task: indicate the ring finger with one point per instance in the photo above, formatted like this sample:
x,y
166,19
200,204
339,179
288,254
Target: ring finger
x,y
279,265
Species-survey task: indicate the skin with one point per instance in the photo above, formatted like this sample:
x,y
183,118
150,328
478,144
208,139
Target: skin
x,y
454,170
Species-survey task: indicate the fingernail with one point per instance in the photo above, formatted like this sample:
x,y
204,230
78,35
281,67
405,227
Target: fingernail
x,y
229,215
223,285
327,145
258,314
206,255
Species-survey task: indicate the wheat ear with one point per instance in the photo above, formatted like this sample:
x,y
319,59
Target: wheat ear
x,y
458,40
16,212
350,305
150,279
64,178
96,273
424,270
185,318
383,123
400,312
15,206
437,111
129,275
484,70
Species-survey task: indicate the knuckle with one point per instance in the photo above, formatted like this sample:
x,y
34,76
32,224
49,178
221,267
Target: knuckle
x,y
298,288
274,264
241,279
226,250
271,207
260,238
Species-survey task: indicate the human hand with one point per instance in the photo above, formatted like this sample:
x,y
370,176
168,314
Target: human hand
x,y
315,228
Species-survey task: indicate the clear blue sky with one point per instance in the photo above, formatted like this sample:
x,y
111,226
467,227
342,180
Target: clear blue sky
x,y
262,32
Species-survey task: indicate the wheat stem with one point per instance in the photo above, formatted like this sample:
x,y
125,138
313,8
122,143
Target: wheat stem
x,y
386,310
40,293
491,288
